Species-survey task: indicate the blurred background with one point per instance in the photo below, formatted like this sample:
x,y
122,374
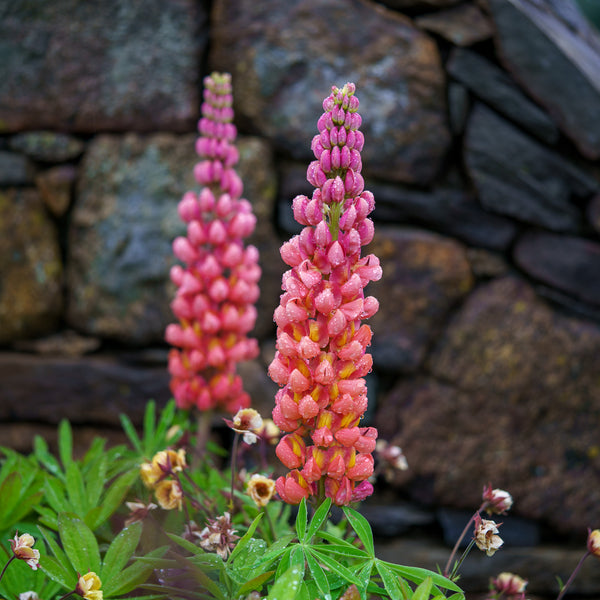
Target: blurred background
x,y
482,127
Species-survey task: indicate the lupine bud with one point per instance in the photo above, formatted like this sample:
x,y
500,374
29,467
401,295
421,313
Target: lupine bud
x,y
217,286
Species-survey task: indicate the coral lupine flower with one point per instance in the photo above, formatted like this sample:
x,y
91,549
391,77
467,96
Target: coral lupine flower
x,y
218,287
321,360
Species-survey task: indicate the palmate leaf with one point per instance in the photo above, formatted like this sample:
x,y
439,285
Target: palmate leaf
x,y
318,575
362,528
389,580
301,520
65,443
286,587
418,575
136,574
318,518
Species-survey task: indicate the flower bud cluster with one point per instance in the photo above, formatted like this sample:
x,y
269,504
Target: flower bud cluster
x,y
218,285
321,358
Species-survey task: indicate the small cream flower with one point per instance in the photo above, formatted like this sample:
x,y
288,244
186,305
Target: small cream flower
x,y
88,586
169,494
270,432
138,511
485,536
593,542
496,501
218,536
248,422
509,584
163,463
261,489
31,595
22,547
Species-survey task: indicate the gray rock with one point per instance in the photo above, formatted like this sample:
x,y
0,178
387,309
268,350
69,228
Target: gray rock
x,y
284,59
593,213
121,231
86,67
123,225
397,519
449,211
568,263
424,276
418,4
516,176
554,53
31,267
494,86
47,146
15,169
463,25
458,107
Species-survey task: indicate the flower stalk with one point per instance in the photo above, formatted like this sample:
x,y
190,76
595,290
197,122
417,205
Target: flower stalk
x,y
321,357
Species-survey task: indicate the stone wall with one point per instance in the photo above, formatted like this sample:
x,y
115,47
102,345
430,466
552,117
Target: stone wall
x,y
482,127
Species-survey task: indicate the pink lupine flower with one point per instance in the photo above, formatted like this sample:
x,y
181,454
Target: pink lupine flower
x,y
321,357
217,287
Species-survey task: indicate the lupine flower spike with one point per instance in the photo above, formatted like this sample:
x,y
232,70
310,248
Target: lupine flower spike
x,y
217,287
321,358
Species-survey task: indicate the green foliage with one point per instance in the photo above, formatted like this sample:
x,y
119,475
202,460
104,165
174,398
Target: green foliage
x,y
20,488
79,552
157,432
93,488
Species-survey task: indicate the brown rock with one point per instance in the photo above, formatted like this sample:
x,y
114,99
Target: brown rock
x,y
84,390
80,66
424,275
55,186
284,58
463,25
65,343
569,263
30,290
520,407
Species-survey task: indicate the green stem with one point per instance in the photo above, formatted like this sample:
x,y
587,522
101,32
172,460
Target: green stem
x,y
202,429
459,540
573,575
6,566
461,560
234,451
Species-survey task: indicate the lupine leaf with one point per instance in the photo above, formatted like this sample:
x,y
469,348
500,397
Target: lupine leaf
x,y
79,543
255,583
362,528
318,574
334,566
418,575
55,494
389,579
286,587
10,495
422,591
40,450
318,518
95,478
149,420
245,539
118,554
301,520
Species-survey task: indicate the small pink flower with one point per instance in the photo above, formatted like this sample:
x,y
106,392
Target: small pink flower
x,y
22,548
593,542
496,501
509,585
